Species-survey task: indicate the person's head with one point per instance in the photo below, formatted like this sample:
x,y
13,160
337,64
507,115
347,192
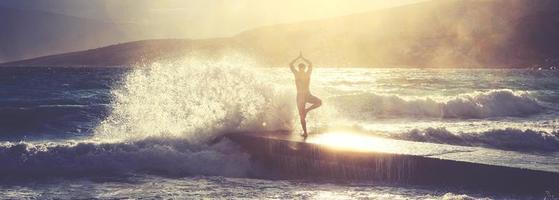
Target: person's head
x,y
302,66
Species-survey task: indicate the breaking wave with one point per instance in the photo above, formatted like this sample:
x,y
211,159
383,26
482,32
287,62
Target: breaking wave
x,y
162,119
506,139
495,103
152,156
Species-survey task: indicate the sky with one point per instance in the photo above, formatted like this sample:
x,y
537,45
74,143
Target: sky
x,y
204,18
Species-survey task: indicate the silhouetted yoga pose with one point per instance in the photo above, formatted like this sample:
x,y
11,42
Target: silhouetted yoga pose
x,y
304,96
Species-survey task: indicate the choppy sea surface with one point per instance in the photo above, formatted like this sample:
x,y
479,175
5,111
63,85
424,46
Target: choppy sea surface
x,y
78,133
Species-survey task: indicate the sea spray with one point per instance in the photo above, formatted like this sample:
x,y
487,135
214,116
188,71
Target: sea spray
x,y
195,99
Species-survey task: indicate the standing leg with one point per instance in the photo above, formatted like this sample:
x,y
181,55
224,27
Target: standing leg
x,y
302,113
303,124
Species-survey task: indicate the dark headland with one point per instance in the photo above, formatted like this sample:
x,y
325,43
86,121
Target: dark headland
x,y
454,33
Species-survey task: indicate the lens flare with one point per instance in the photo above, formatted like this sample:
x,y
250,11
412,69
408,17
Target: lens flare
x,y
355,142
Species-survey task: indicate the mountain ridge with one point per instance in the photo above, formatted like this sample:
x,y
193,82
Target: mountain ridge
x,y
33,33
469,33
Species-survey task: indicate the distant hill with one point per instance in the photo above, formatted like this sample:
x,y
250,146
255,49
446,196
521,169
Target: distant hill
x,y
449,33
31,33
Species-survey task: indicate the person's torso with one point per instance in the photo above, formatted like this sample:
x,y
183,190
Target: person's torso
x,y
302,81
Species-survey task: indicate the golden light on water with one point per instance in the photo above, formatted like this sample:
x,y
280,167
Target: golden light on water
x,y
355,142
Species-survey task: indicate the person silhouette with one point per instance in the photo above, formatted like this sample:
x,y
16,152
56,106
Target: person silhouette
x,y
304,96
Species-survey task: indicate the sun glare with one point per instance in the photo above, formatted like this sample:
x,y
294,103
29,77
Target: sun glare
x,y
355,142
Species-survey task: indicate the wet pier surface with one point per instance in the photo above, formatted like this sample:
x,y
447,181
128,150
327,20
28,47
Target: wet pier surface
x,y
346,156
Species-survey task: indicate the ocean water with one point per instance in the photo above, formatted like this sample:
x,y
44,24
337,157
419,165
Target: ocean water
x,y
143,132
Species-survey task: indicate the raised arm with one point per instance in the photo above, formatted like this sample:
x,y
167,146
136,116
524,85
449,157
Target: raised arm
x,y
292,65
309,64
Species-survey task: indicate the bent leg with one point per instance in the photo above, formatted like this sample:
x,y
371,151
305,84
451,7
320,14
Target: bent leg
x,y
315,101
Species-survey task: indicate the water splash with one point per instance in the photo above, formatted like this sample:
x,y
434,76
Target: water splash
x,y
195,99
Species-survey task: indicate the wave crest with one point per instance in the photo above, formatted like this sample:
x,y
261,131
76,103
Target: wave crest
x,y
153,156
506,139
495,103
